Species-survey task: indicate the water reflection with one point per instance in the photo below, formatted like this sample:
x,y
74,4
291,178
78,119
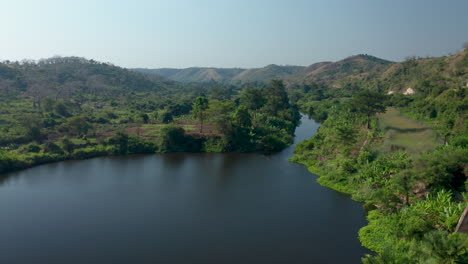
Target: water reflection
x,y
177,208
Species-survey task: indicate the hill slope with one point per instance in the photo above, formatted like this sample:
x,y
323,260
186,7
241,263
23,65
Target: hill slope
x,y
202,75
335,73
330,73
63,77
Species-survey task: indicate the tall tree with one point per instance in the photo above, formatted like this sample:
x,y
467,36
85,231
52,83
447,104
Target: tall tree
x,y
242,117
277,98
253,98
369,103
199,110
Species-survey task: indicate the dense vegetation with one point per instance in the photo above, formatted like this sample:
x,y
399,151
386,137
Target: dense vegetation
x,y
72,108
394,135
414,195
226,75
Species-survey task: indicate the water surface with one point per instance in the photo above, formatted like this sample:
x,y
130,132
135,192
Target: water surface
x,y
177,208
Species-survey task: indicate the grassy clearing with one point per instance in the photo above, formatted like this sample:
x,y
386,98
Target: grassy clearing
x,y
404,133
153,130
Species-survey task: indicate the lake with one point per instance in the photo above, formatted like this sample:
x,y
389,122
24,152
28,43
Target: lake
x,y
178,208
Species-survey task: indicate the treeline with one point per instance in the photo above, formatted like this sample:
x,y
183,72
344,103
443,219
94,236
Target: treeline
x,y
125,119
413,200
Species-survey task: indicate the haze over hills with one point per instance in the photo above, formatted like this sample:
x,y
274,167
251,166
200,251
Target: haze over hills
x,y
72,75
66,77
358,66
208,74
351,68
358,69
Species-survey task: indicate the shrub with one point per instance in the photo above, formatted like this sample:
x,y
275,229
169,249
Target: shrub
x,y
89,152
31,147
53,148
138,145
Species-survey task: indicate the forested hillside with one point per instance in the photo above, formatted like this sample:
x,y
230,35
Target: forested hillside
x,y
226,75
397,140
73,108
337,74
394,135
330,73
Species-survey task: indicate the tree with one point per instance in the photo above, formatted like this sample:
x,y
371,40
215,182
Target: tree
x,y
34,126
172,139
199,110
253,98
277,98
77,125
369,103
53,148
38,91
242,117
67,145
403,184
120,140
465,45
346,133
218,93
220,112
144,117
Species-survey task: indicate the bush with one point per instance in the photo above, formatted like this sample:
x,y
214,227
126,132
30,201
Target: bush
x,y
137,145
120,141
90,152
271,143
31,148
53,148
174,139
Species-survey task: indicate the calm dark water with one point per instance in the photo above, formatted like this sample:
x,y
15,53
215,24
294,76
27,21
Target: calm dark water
x,y
177,208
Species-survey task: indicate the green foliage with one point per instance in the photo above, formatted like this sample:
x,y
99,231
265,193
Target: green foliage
x,y
77,126
277,98
53,148
31,147
253,98
405,226
272,143
120,141
144,117
174,139
242,117
368,103
91,152
199,110
445,167
67,145
441,209
137,145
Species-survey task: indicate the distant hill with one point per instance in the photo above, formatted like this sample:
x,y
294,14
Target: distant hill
x,y
331,73
268,73
334,73
195,74
426,74
70,76
201,75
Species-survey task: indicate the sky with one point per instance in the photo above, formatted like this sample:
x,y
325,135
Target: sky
x,y
235,33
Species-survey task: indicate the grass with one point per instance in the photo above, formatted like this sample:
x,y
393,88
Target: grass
x,y
79,141
404,133
153,130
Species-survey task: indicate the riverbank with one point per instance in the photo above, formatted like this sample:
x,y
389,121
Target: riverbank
x,y
404,213
167,208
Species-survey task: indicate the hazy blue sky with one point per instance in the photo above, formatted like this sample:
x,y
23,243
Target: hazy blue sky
x,y
237,33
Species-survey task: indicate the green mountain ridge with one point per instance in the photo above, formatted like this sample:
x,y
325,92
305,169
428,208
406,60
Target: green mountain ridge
x,y
358,66
64,77
209,74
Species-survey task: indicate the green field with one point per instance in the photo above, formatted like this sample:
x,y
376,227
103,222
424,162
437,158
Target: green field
x,y
404,133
